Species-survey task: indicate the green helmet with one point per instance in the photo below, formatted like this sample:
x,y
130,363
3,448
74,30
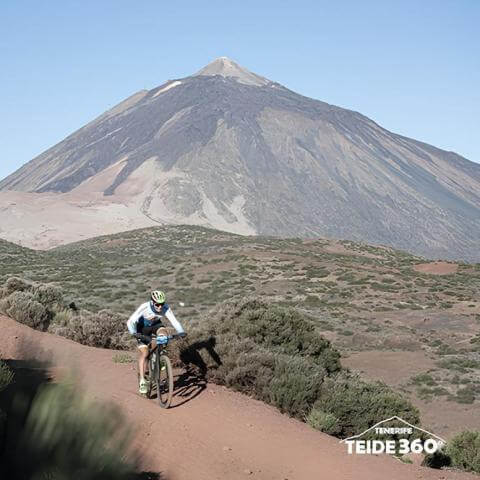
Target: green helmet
x,y
158,296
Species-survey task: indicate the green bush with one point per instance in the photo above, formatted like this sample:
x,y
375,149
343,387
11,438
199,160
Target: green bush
x,y
275,355
22,307
295,385
325,422
48,295
465,395
63,317
464,451
6,375
358,404
13,284
271,353
67,436
278,329
41,306
122,358
439,459
31,304
249,373
424,378
104,329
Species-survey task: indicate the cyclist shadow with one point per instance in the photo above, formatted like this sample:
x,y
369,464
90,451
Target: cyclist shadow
x,y
187,386
193,380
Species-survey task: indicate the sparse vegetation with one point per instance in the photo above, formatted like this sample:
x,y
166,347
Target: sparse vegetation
x,y
364,298
464,451
325,422
357,405
122,358
42,307
275,355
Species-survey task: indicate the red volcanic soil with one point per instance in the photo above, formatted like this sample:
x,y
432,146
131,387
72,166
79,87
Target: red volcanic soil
x,y
211,432
436,268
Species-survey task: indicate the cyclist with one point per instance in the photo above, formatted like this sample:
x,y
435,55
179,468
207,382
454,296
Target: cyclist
x,y
147,320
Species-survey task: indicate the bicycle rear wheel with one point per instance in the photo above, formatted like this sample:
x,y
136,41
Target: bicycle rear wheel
x,y
164,376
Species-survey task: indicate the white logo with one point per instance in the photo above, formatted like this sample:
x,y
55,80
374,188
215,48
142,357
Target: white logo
x,y
428,443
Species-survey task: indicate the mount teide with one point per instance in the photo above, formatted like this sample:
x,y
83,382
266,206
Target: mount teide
x,y
230,149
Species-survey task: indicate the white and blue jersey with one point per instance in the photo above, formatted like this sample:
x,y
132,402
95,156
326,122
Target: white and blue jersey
x,y
146,316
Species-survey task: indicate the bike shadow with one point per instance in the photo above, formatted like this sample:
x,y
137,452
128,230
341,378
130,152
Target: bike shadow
x,y
187,386
193,380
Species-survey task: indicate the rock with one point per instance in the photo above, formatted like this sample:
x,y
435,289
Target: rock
x,y
247,471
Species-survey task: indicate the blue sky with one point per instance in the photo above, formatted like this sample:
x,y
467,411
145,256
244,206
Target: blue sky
x,y
412,66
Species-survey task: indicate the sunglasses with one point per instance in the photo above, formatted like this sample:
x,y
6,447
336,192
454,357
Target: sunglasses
x,y
159,304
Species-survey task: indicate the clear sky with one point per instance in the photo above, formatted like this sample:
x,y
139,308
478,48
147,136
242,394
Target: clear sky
x,y
412,66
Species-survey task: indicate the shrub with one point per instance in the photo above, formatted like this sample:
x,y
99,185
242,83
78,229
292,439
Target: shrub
x,y
6,375
424,378
23,307
295,385
465,395
41,306
14,284
63,317
280,330
48,295
249,373
439,459
122,358
275,355
325,422
32,304
271,353
104,329
358,404
67,436
464,451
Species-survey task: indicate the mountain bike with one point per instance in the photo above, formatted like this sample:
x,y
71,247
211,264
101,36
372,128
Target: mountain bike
x,y
160,372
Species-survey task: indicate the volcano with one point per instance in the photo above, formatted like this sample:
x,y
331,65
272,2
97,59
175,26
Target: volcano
x,y
230,149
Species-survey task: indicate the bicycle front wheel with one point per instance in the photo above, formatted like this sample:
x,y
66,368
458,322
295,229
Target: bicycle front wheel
x,y
164,381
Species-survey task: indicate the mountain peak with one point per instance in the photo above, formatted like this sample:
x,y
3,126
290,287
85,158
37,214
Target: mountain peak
x,y
226,67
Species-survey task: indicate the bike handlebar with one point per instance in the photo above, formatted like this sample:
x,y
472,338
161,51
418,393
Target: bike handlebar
x,y
145,338
148,339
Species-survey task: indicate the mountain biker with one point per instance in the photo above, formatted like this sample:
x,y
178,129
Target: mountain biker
x,y
147,320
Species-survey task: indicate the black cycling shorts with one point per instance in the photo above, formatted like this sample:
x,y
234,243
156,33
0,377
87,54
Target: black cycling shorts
x,y
148,331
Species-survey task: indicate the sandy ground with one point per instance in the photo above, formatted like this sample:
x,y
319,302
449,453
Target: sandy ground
x,y
393,368
436,268
443,417
38,220
211,433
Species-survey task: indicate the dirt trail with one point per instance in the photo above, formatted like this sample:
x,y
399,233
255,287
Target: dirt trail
x,y
212,433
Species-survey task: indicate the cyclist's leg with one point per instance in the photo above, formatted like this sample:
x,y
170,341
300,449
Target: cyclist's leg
x,y
158,330
142,360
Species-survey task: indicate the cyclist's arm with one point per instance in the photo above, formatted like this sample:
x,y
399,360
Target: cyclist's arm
x,y
133,320
175,323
